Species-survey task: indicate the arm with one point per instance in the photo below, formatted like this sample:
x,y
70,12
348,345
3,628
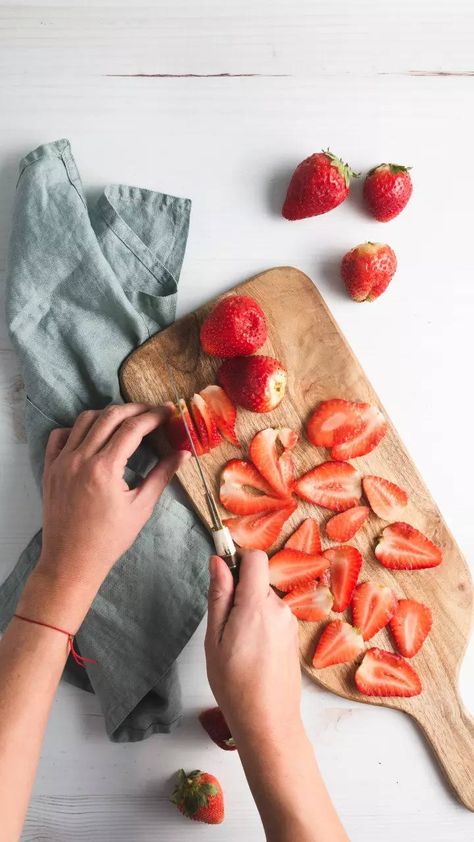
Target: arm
x,y
90,520
254,672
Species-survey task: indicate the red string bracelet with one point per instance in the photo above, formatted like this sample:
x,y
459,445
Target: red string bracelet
x,y
78,658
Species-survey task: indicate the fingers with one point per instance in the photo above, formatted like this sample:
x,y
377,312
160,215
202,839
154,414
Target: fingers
x,y
81,427
151,488
253,583
56,442
220,598
107,423
129,434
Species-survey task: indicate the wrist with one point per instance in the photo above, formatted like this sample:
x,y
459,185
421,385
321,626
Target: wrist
x,y
51,596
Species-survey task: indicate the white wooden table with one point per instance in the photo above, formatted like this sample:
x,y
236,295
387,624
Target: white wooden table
x,y
218,101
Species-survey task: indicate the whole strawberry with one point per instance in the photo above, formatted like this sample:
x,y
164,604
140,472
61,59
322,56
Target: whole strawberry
x,y
387,189
256,383
235,327
199,796
367,270
319,184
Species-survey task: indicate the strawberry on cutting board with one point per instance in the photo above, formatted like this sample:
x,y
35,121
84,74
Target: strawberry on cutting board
x,y
410,626
373,606
306,538
386,499
175,431
235,327
198,795
310,602
367,270
205,422
273,459
223,410
319,184
402,547
385,674
343,527
371,433
387,189
257,383
243,490
292,568
333,422
345,563
259,531
339,642
332,485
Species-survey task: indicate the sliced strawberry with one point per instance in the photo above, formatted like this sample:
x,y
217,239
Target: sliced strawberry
x,y
306,538
225,412
311,602
410,626
325,578
385,498
385,674
265,455
286,466
372,432
343,527
213,722
372,607
339,642
333,422
402,547
243,491
259,531
345,564
289,438
333,485
291,568
205,422
176,432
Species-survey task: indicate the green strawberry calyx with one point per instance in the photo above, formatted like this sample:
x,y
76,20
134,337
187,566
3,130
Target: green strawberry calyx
x,y
344,169
192,793
393,168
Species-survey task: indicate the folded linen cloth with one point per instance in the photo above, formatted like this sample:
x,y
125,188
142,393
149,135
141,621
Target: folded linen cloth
x,y
84,287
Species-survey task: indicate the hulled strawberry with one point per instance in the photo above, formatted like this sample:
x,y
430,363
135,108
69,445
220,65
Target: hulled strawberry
x,y
367,270
387,189
198,795
214,724
340,642
319,184
257,383
385,674
235,327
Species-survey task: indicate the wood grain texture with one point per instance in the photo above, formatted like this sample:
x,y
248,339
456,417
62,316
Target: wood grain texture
x,y
321,365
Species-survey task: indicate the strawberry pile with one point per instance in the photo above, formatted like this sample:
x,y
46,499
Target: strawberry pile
x,y
262,493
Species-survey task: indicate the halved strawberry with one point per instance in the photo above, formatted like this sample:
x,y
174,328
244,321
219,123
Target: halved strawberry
x,y
176,432
333,485
339,642
225,412
343,527
259,531
291,568
311,602
385,498
385,674
265,454
372,607
372,432
306,538
410,626
402,547
345,564
213,722
333,422
243,491
205,422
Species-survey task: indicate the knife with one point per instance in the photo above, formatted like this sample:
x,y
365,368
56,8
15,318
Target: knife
x,y
223,542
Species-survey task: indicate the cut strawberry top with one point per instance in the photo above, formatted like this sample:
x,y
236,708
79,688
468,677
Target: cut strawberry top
x,y
374,427
291,568
244,491
310,602
410,626
386,499
265,455
340,642
333,485
333,422
306,538
259,531
372,607
224,411
402,547
345,564
343,527
385,674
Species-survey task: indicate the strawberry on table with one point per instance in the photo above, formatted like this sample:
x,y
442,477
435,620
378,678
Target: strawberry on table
x,y
385,674
333,422
213,722
387,189
259,531
367,270
291,568
371,433
311,602
223,410
340,642
198,795
343,527
235,327
332,485
176,433
257,383
205,422
373,606
243,491
345,563
306,538
410,626
386,499
319,184
267,457
402,547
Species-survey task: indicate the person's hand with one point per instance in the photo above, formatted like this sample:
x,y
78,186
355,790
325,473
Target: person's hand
x,y
252,651
91,517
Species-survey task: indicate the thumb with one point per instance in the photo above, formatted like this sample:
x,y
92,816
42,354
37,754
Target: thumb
x,y
220,598
149,492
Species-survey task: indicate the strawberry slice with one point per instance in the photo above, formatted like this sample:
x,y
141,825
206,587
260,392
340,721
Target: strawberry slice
x,y
266,457
224,411
345,564
289,438
402,547
205,422
372,607
259,531
410,626
385,498
333,422
343,527
176,433
339,642
213,722
291,568
311,602
243,491
333,485
385,674
306,538
372,432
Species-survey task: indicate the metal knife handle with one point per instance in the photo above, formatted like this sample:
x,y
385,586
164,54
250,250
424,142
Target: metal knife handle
x,y
225,548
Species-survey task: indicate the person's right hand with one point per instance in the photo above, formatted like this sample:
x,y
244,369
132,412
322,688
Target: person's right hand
x,y
252,650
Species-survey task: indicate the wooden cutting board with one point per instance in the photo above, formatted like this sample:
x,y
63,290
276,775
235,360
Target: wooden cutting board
x,y
321,365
